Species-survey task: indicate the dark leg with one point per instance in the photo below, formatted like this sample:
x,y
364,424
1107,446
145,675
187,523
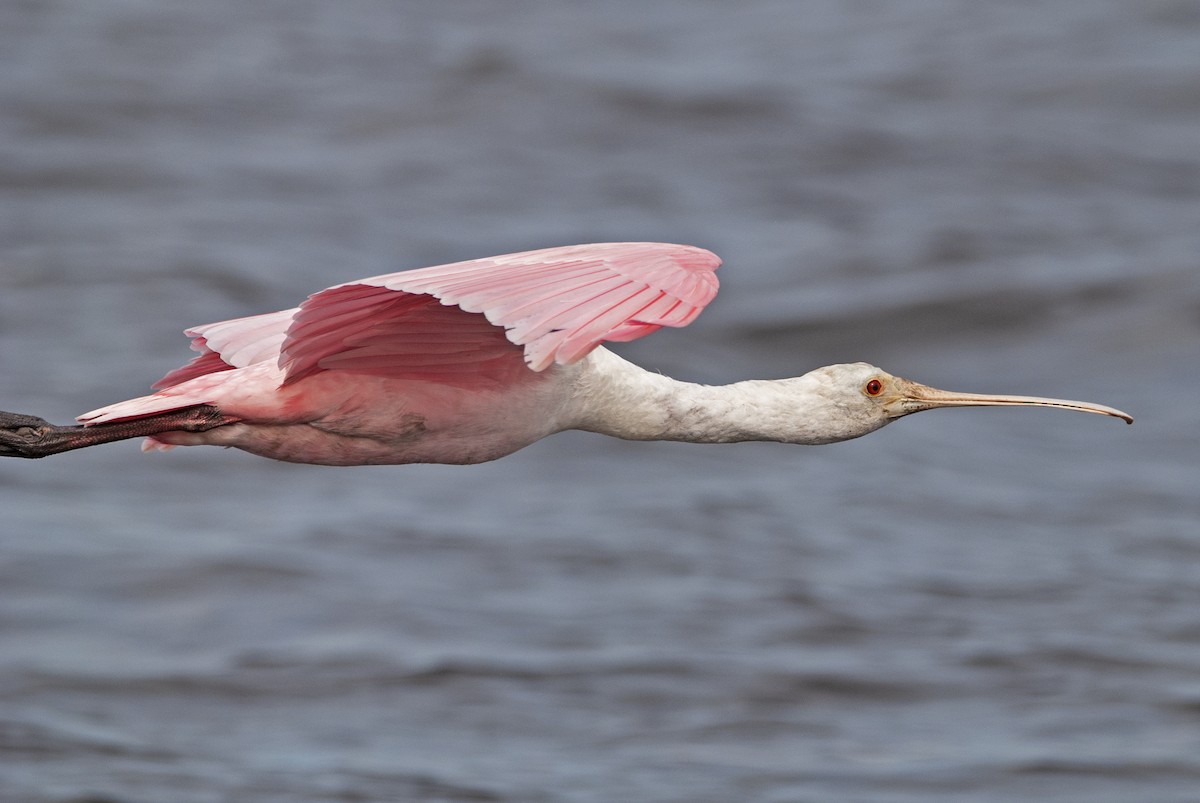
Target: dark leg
x,y
30,436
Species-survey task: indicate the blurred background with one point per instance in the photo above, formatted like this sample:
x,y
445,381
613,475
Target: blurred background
x,y
983,605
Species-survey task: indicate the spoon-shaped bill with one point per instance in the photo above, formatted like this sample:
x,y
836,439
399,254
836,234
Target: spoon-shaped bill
x,y
917,397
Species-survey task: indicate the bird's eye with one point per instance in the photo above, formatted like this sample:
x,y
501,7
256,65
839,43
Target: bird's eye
x,y
873,388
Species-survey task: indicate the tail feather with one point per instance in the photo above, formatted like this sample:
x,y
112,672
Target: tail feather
x,y
140,407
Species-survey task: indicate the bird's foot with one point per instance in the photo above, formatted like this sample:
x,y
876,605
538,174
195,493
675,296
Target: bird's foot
x,y
30,436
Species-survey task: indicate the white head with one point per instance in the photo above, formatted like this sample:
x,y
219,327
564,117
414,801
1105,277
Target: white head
x,y
860,398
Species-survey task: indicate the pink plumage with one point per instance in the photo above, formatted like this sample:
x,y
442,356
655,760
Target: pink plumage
x,y
558,303
480,325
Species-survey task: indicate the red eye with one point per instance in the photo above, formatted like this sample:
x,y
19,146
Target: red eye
x,y
873,387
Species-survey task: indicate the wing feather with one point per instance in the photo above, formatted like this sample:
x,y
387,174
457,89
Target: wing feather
x,y
231,344
559,303
469,320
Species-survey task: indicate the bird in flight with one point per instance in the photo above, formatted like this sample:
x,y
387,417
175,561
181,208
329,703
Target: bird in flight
x,y
471,361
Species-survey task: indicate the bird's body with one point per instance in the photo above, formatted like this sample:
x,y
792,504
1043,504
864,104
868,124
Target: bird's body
x,y
471,361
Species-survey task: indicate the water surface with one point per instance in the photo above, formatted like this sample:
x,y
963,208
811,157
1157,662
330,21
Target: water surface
x,y
969,605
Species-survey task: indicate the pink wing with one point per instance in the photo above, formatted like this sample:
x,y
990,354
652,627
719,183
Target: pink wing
x,y
558,303
463,319
232,344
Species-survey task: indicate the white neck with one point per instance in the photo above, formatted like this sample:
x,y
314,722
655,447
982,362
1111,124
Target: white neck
x,y
615,397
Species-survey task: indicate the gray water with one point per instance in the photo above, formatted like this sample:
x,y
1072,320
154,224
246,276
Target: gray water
x,y
972,605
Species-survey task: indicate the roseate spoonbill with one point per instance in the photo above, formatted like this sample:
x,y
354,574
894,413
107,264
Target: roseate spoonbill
x,y
471,361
